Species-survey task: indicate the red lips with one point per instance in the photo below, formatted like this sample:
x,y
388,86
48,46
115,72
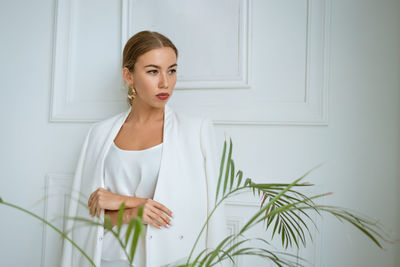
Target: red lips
x,y
163,96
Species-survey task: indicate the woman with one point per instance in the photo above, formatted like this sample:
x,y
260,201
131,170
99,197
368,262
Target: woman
x,y
149,155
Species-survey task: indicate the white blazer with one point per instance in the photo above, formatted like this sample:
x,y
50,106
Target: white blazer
x,y
186,185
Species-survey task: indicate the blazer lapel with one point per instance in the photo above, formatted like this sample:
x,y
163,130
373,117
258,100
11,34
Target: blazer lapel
x,y
167,148
110,138
100,182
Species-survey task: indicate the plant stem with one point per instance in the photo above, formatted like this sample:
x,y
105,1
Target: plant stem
x,y
215,207
52,226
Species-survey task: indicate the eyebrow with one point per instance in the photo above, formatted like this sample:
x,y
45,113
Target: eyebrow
x,y
158,67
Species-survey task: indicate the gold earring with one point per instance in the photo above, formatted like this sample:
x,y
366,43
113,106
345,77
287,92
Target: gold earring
x,y
132,93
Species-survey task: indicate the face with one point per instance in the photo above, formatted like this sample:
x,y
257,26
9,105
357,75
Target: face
x,y
154,73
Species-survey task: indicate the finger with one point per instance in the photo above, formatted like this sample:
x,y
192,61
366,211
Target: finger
x,y
162,215
154,214
155,224
95,201
91,205
93,197
90,199
91,211
163,208
93,194
95,208
98,209
148,220
95,211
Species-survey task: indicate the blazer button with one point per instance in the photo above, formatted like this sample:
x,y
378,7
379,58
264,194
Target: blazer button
x,y
101,238
150,236
181,237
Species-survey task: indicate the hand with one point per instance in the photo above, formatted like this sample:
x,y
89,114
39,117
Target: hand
x,y
154,213
104,199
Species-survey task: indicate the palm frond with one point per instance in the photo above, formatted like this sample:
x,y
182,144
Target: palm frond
x,y
52,226
285,211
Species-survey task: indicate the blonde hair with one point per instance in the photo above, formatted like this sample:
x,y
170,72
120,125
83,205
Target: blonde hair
x,y
139,44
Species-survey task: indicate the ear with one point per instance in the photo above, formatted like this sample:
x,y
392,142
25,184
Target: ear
x,y
127,75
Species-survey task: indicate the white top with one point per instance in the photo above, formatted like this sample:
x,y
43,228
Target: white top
x,y
130,173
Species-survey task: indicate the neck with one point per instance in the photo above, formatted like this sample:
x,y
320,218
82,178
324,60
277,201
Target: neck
x,y
142,113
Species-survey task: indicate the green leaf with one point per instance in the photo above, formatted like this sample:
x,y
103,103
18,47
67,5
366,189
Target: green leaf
x,y
275,228
248,182
221,168
232,174
140,211
107,222
199,256
240,174
129,230
83,219
132,224
228,164
215,252
212,254
136,235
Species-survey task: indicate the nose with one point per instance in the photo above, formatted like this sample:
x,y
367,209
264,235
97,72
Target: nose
x,y
163,81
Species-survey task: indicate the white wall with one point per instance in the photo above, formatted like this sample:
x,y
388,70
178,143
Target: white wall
x,y
356,129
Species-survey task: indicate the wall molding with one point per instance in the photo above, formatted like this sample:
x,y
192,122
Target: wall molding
x,y
237,80
311,110
57,187
63,106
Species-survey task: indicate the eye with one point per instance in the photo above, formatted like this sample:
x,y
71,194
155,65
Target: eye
x,y
173,70
151,71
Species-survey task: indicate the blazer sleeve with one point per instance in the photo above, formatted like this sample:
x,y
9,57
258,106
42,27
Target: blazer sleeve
x,y
216,228
67,248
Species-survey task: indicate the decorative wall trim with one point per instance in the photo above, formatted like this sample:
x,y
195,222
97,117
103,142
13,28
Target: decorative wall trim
x,y
234,223
312,109
63,106
57,189
236,80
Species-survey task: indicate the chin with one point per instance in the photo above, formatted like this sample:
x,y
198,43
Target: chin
x,y
159,105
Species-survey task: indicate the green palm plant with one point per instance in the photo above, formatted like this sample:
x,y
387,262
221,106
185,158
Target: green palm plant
x,y
135,224
282,208
287,212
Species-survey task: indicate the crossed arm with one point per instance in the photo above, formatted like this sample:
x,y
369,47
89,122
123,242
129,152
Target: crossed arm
x,y
154,212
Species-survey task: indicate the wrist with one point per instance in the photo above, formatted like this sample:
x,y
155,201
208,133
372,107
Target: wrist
x,y
130,214
132,202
